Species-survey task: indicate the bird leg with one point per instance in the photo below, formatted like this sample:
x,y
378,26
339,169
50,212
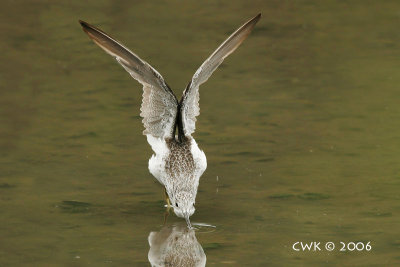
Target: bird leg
x,y
166,215
168,206
167,199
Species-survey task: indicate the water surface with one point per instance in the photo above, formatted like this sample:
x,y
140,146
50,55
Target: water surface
x,y
299,125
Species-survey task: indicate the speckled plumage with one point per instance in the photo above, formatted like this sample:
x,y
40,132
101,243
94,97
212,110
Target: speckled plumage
x,y
178,166
180,159
177,162
175,245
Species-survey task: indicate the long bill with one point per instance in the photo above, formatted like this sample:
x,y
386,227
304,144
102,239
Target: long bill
x,y
188,222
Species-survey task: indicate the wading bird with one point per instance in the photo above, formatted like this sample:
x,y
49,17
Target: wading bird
x,y
177,162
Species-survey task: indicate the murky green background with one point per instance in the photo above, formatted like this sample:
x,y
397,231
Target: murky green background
x,y
300,127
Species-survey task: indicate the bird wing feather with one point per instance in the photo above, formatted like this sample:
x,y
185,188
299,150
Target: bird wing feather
x,y
190,99
159,105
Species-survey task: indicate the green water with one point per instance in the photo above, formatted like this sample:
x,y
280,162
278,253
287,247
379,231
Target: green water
x,y
300,127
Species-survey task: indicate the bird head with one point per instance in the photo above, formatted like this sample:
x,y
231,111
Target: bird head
x,y
183,204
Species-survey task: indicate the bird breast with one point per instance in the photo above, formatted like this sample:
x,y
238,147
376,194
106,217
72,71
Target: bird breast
x,y
178,163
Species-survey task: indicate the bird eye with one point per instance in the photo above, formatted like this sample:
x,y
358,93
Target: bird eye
x,y
176,204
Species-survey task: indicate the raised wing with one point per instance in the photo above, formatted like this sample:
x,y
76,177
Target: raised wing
x,y
190,99
159,104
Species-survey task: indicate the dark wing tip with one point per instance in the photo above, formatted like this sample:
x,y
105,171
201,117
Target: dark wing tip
x,y
92,31
256,18
84,24
88,27
249,25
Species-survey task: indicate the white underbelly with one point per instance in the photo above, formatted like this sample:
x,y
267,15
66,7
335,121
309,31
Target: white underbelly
x,y
157,161
199,158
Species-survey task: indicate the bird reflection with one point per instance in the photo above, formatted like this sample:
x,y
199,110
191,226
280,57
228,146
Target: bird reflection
x,y
175,245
